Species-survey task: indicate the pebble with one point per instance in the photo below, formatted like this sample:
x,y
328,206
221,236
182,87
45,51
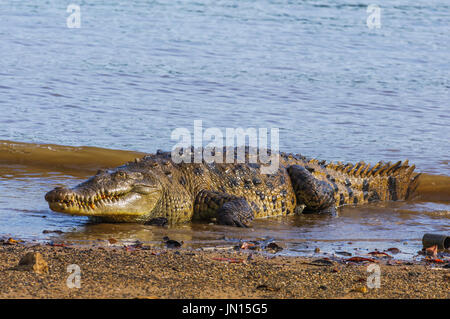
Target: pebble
x,y
33,262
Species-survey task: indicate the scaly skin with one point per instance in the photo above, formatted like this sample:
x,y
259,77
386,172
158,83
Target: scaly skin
x,y
157,188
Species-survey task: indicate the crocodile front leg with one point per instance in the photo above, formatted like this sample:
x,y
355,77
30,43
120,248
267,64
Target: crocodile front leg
x,y
316,195
227,209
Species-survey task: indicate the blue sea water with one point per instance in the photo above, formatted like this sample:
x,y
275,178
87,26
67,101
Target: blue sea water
x,y
136,70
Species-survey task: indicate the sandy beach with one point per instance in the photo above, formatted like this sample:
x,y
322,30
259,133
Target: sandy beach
x,y
127,272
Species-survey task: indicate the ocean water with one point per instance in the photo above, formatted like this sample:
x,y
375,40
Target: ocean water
x,y
136,70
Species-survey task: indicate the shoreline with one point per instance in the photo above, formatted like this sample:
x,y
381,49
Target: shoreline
x,y
144,272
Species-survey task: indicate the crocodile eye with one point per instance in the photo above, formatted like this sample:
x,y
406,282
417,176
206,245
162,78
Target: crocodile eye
x,y
120,174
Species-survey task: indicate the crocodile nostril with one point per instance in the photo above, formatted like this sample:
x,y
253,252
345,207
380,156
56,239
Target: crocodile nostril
x,y
50,196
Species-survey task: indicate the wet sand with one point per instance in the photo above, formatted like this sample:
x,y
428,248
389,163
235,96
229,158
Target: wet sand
x,y
117,272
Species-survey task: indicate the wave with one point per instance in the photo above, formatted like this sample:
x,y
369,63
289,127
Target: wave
x,y
81,161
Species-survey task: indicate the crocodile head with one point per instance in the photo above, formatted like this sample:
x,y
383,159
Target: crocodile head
x,y
116,195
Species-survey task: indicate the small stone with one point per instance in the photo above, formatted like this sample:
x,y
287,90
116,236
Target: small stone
x,y
394,250
334,270
322,261
432,251
11,241
46,231
362,289
35,262
274,248
343,253
447,277
170,243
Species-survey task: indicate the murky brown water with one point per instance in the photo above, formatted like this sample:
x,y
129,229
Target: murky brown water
x,y
28,171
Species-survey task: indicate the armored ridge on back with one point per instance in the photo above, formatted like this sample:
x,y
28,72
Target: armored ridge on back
x,y
155,188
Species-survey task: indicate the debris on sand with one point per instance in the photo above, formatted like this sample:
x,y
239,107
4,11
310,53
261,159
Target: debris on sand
x,y
434,260
192,273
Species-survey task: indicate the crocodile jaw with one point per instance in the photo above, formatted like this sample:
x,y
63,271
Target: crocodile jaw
x,y
127,206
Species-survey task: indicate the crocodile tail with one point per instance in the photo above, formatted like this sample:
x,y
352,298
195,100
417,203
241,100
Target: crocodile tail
x,y
411,191
364,183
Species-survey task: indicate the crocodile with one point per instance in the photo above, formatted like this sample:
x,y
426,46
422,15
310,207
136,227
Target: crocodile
x,y
157,188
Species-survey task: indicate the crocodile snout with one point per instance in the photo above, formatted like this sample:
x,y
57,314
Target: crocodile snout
x,y
57,194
